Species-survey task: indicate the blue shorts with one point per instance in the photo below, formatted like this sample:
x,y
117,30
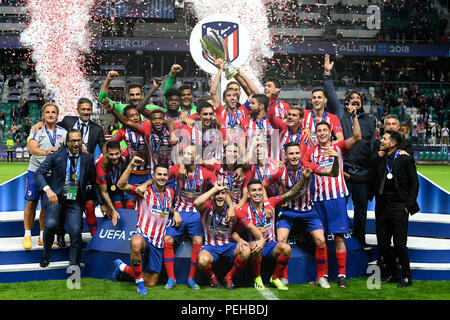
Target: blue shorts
x,y
224,251
191,221
267,251
153,256
289,217
333,214
136,179
116,196
32,191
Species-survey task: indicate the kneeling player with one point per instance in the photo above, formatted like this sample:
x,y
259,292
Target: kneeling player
x,y
253,212
219,234
151,227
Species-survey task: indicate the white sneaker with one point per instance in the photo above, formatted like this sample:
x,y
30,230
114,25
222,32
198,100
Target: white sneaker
x,y
284,281
323,282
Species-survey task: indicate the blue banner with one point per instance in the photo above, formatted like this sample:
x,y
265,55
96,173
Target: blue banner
x,y
109,238
154,9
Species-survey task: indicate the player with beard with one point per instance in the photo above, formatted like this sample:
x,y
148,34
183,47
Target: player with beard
x,y
318,114
219,236
253,212
109,167
300,208
154,208
272,89
330,192
290,127
357,161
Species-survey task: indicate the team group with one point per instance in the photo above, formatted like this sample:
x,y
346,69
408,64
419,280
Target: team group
x,y
236,177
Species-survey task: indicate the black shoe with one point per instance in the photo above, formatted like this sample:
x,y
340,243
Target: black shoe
x,y
44,262
405,282
342,282
229,285
391,279
60,242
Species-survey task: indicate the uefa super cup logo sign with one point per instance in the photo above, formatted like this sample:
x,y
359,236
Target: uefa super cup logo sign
x,y
220,36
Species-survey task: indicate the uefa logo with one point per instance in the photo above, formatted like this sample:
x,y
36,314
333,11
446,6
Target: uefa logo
x,y
231,30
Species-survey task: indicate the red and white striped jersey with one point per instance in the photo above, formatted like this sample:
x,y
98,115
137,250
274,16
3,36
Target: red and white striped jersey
x,y
281,109
270,169
234,186
216,231
211,140
287,179
110,175
189,190
153,215
160,146
137,145
264,130
246,216
229,119
327,188
310,121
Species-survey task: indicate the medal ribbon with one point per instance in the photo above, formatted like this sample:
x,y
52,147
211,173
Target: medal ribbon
x,y
230,180
162,203
232,119
130,137
314,118
298,175
387,165
190,186
261,220
216,221
258,172
73,169
156,149
50,137
297,139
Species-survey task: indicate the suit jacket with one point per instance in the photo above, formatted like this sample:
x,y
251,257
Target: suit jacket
x,y
405,179
56,164
405,146
96,134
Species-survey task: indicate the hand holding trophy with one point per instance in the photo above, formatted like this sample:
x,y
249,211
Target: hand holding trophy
x,y
215,47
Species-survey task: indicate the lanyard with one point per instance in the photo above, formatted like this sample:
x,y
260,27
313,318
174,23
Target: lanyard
x,y
86,129
230,180
162,203
73,174
115,175
130,137
258,172
314,118
261,220
50,137
216,221
260,124
297,139
156,149
172,118
298,175
387,165
232,119
190,186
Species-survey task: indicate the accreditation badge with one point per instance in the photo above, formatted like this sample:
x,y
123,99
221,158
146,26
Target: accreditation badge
x,y
72,192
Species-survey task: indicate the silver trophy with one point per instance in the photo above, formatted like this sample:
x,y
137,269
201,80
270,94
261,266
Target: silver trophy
x,y
215,47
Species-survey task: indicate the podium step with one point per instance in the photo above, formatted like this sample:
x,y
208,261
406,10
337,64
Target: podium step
x,y
428,271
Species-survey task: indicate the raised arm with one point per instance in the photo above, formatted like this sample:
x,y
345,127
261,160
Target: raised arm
x,y
123,180
213,91
353,140
333,104
200,201
125,121
141,106
276,122
103,94
246,83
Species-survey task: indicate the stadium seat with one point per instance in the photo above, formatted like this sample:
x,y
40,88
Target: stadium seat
x,y
421,155
427,156
433,155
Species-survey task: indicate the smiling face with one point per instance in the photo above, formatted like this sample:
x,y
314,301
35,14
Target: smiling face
x,y
206,116
74,142
186,97
293,118
135,96
173,103
160,176
319,100
219,198
255,192
255,107
386,143
85,111
50,115
231,154
157,120
133,115
113,155
355,100
230,98
323,134
270,90
293,155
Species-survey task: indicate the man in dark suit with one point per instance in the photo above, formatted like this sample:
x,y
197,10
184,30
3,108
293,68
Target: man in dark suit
x,y
391,123
92,135
395,187
71,171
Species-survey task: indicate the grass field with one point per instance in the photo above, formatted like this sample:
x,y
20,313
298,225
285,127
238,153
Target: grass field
x,y
9,170
107,290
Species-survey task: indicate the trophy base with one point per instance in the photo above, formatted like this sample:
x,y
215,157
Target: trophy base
x,y
231,73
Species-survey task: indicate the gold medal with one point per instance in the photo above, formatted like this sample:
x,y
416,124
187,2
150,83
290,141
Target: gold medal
x,y
191,195
262,229
163,214
74,176
113,188
232,194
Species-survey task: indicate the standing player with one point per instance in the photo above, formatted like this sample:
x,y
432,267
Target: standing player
x,y
330,192
272,89
301,207
253,212
151,226
219,236
109,168
42,143
290,128
318,114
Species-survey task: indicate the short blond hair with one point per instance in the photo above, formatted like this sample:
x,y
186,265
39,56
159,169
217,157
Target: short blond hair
x,y
49,104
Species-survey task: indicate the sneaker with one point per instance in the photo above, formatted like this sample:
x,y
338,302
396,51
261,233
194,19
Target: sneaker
x,y
41,243
259,285
229,285
342,282
171,283
323,282
141,289
116,272
191,283
284,281
27,242
214,283
278,284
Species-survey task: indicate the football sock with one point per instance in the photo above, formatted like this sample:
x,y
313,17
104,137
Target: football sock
x,y
321,261
169,259
238,265
341,258
255,264
27,233
135,271
195,249
282,261
130,205
91,219
209,273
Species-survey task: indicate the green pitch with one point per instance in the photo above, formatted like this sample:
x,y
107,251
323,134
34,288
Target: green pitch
x,y
9,170
95,289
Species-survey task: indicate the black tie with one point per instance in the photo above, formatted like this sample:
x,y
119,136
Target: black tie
x,y
83,126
